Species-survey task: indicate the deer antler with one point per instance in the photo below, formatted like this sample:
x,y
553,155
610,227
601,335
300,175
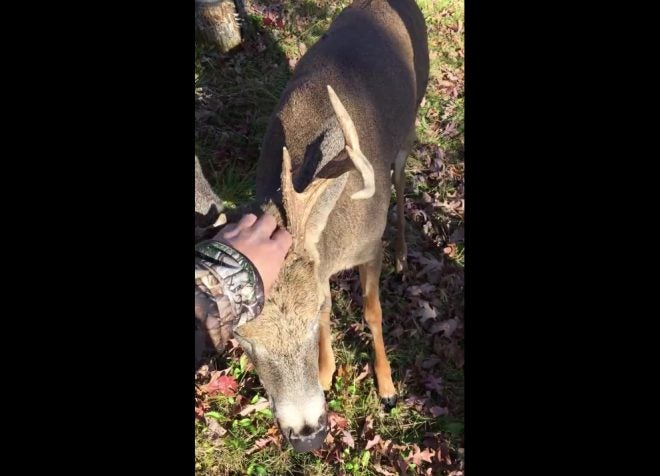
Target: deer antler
x,y
298,206
353,148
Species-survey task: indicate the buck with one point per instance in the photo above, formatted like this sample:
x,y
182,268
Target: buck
x,y
336,141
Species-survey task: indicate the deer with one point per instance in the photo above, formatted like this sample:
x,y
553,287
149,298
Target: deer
x,y
335,143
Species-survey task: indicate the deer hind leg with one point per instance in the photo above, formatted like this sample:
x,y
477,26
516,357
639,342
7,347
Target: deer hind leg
x,y
326,355
369,277
399,179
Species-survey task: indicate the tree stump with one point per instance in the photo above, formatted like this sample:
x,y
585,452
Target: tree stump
x,y
217,22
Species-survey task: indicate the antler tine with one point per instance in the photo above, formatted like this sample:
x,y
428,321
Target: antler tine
x,y
298,206
353,148
287,179
289,194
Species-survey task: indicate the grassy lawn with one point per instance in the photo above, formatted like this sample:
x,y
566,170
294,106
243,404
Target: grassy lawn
x,y
422,310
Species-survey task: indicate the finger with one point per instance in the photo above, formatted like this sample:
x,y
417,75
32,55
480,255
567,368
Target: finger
x,y
232,230
247,221
227,232
265,225
283,239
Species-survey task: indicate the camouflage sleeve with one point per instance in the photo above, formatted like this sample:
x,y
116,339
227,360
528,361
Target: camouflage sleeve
x,y
228,290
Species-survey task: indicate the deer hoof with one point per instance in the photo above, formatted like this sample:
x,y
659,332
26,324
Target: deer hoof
x,y
388,402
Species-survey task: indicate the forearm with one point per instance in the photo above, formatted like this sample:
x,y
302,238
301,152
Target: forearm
x,y
228,290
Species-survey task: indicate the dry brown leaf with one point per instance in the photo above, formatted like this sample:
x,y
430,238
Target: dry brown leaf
x,y
418,456
432,382
372,442
214,428
259,444
380,470
426,311
348,439
222,384
447,326
401,464
365,372
367,427
430,362
427,454
337,420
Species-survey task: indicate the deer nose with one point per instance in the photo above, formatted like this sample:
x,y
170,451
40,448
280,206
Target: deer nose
x,y
309,438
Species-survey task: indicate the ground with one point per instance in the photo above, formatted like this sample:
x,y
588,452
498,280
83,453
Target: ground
x,y
422,309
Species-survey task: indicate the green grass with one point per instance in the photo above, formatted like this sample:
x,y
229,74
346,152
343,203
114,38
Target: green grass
x,y
235,96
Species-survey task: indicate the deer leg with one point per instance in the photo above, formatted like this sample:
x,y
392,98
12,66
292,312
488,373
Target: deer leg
x,y
369,276
400,184
326,356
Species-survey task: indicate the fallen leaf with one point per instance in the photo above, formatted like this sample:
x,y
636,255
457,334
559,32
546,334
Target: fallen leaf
x,y
367,427
401,465
222,384
380,470
259,444
372,442
414,290
329,439
364,373
337,420
214,428
432,382
430,362
426,455
426,311
416,402
200,409
348,439
418,456
448,327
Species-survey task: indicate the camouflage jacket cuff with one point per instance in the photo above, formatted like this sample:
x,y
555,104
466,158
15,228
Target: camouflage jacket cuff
x,y
220,271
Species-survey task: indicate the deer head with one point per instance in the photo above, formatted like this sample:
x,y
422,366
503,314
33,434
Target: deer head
x,y
283,340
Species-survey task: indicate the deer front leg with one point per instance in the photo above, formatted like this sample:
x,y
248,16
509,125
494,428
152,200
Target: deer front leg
x,y
369,276
326,356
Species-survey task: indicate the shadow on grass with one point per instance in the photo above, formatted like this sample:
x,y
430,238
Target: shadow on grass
x,y
235,96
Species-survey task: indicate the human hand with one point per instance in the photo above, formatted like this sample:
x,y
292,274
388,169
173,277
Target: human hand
x,y
262,242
